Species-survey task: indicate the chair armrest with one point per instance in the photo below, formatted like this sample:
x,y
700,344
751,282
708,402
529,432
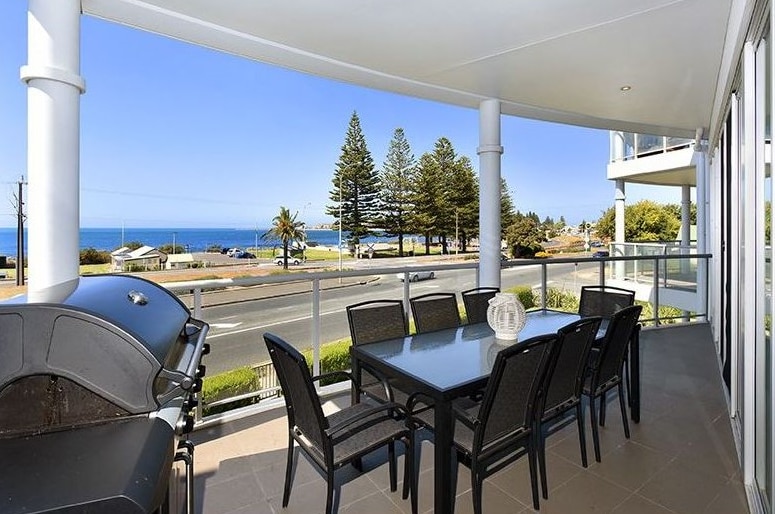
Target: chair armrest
x,y
382,378
411,402
389,407
463,416
333,374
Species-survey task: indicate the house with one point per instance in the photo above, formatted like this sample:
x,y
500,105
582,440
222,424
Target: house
x,y
145,258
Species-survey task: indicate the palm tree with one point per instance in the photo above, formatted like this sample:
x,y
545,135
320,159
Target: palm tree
x,y
286,229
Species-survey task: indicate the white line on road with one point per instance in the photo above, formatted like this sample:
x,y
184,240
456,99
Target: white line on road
x,y
225,325
260,327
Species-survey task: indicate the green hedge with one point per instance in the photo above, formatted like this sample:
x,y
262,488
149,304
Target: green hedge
x,y
227,385
333,357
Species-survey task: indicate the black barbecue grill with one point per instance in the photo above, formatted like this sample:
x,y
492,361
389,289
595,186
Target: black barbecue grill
x,y
96,390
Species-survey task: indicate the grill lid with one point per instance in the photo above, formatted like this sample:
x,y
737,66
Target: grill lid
x,y
121,337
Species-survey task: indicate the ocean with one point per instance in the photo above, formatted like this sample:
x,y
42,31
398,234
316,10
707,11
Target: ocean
x,y
194,239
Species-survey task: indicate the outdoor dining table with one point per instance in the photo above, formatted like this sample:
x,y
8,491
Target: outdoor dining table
x,y
452,363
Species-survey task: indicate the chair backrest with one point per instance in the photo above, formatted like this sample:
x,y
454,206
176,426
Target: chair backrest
x,y
565,377
435,311
604,300
376,320
476,302
510,398
620,330
301,401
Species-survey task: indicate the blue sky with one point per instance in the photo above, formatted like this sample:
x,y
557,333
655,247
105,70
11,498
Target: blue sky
x,y
174,135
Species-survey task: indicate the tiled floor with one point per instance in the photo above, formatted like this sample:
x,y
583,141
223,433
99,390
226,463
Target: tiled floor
x,y
680,459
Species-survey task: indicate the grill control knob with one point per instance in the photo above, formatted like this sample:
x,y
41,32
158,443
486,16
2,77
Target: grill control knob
x,y
197,387
185,425
205,348
200,370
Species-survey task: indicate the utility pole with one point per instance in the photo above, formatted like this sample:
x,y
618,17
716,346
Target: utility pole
x,y
20,236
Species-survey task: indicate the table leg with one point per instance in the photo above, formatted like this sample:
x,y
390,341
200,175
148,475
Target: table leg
x,y
442,473
355,370
635,375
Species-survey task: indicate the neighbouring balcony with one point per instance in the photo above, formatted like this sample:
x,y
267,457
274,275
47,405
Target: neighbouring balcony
x,y
680,459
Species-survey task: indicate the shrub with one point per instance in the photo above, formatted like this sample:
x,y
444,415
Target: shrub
x,y
228,385
561,300
231,383
94,256
525,295
333,357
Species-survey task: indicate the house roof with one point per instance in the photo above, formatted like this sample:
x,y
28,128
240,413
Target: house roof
x,y
554,60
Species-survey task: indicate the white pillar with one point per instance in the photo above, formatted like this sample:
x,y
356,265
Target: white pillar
x,y
686,202
702,226
616,145
490,151
54,87
619,238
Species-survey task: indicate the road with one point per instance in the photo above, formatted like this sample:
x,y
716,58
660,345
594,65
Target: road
x,y
237,328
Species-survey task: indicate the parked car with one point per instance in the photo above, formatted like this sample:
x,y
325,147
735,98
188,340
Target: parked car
x,y
233,252
279,260
600,254
246,255
415,276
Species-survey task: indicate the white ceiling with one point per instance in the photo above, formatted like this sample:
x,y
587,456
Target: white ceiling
x,y
554,60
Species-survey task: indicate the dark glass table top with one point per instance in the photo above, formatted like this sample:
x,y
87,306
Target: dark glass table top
x,y
447,358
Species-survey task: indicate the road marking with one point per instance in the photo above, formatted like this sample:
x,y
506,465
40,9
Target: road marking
x,y
225,325
260,327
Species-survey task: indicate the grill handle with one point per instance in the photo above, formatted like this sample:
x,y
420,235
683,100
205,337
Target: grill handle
x,y
186,379
193,363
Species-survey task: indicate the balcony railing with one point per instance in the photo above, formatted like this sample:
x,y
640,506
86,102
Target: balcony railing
x,y
643,145
302,295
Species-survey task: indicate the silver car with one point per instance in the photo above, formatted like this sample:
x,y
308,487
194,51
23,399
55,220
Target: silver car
x,y
416,276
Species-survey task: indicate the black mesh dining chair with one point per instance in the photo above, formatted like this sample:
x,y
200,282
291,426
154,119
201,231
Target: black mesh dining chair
x,y
476,302
604,301
564,387
491,434
606,368
331,442
372,321
434,311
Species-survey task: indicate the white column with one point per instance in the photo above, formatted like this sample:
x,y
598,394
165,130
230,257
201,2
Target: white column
x,y
616,145
686,233
686,202
619,238
489,151
54,87
702,226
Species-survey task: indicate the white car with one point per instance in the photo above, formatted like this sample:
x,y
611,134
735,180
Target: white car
x,y
291,260
415,276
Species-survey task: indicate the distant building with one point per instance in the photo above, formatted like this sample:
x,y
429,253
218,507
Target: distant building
x,y
144,258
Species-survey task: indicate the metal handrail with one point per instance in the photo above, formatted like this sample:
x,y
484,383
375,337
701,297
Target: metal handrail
x,y
197,287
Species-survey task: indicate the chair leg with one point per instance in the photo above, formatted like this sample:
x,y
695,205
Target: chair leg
x,y
330,492
392,465
289,469
476,489
541,445
624,411
595,435
582,435
531,454
603,401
